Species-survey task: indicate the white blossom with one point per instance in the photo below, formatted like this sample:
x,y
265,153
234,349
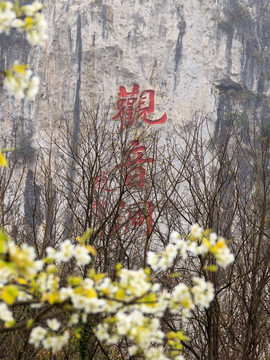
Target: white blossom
x,y
32,89
38,265
181,295
82,255
88,283
7,15
170,252
79,301
135,282
179,357
5,313
94,306
203,292
66,251
36,306
138,320
32,9
195,232
15,86
23,296
152,260
37,335
65,293
18,24
175,237
29,252
224,257
36,35
56,342
107,287
50,342
20,82
53,324
183,247
202,249
212,238
5,275
132,350
50,252
113,340
156,353
102,332
74,319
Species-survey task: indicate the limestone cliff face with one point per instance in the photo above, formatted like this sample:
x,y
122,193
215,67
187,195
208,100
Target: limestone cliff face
x,y
199,56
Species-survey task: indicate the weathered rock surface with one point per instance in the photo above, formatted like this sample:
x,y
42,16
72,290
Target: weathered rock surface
x,y
200,56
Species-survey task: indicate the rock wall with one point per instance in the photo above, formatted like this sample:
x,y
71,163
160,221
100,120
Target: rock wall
x,y
207,57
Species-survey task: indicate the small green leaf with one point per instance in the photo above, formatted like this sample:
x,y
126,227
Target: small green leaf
x,y
19,68
77,333
149,299
147,271
74,281
9,324
175,275
30,323
3,160
9,294
118,267
3,241
212,268
87,235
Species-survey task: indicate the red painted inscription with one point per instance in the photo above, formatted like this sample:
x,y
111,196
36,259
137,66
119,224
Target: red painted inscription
x,y
136,106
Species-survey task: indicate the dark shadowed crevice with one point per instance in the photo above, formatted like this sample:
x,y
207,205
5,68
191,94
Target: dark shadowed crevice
x,y
230,32
32,206
76,126
179,49
76,118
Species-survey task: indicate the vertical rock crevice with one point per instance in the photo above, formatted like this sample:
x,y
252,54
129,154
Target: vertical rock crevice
x,y
179,47
243,23
76,126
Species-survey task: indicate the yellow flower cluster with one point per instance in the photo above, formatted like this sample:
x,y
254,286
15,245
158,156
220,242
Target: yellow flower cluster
x,y
19,80
27,18
131,306
3,160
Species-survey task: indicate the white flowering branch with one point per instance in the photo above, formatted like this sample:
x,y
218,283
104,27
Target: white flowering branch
x,y
131,306
19,80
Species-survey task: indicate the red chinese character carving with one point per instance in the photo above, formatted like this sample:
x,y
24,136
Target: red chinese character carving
x,y
138,214
118,221
136,173
99,208
145,105
101,182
